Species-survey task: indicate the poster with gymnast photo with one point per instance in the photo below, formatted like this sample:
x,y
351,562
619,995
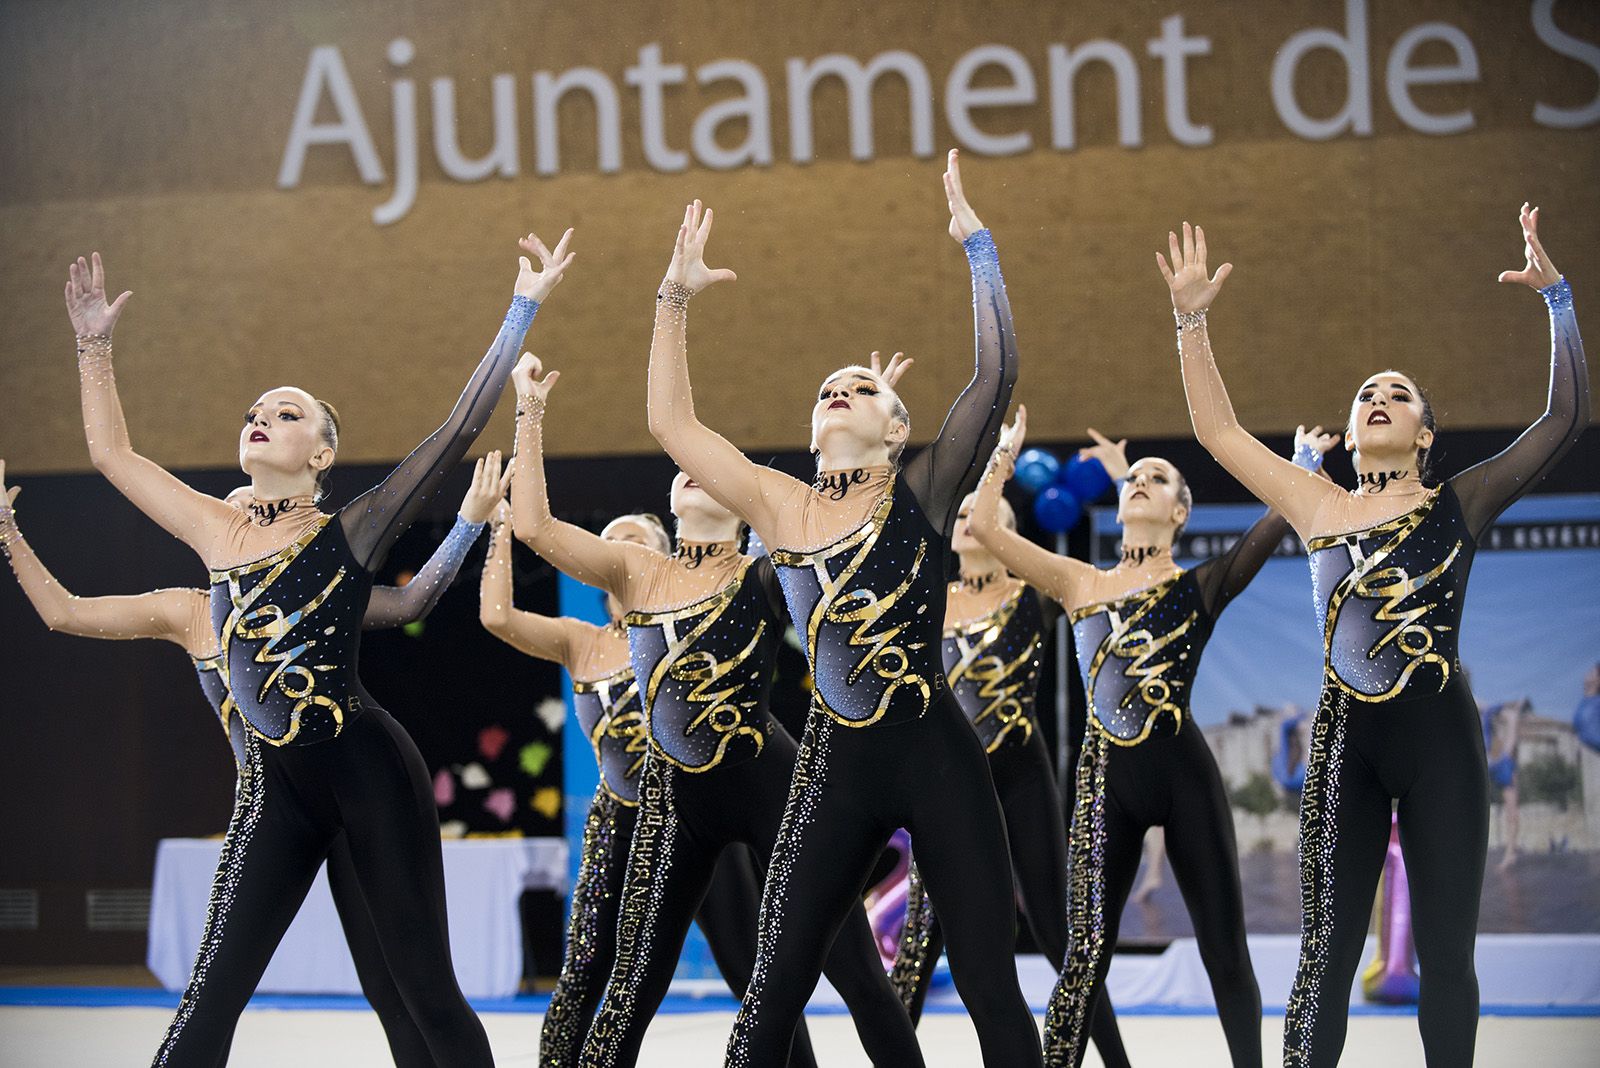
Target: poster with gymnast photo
x,y
1530,643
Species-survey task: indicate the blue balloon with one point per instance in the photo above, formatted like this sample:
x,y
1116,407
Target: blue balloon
x,y
1057,510
1086,477
1036,469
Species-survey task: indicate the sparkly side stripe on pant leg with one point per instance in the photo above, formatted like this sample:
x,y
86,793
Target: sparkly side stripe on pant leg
x,y
248,797
1319,810
810,773
1067,1015
912,969
565,1023
654,834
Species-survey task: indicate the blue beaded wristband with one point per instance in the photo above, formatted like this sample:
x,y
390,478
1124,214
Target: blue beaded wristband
x,y
520,315
980,243
1307,457
1558,295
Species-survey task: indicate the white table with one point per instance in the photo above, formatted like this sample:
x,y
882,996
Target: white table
x,y
483,880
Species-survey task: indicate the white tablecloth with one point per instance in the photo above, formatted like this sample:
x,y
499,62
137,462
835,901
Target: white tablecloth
x,y
483,879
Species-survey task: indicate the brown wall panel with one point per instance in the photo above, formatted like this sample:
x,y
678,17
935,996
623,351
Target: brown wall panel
x,y
154,132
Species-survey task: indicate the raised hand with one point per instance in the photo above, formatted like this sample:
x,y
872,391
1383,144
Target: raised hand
x,y
899,364
688,266
500,520
1011,437
86,298
1538,272
525,376
963,220
1113,455
1192,288
8,497
1314,438
488,489
536,285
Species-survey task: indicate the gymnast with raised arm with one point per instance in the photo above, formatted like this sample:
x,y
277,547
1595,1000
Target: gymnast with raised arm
x,y
703,629
290,587
863,554
183,617
1396,721
1140,628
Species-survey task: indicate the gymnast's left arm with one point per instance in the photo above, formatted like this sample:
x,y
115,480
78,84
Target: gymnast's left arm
x,y
395,606
947,469
1487,489
374,521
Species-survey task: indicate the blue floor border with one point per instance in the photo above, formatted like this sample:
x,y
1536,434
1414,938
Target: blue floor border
x,y
109,997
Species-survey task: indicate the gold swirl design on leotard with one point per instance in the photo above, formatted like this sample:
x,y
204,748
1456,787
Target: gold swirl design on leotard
x,y
888,660
615,693
1370,580
724,713
271,625
1139,647
998,680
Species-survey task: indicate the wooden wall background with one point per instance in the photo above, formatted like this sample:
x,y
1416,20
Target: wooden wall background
x,y
154,133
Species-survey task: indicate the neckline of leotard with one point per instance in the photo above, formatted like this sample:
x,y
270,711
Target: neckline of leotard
x,y
592,685
869,527
282,555
1412,517
1155,591
717,599
983,622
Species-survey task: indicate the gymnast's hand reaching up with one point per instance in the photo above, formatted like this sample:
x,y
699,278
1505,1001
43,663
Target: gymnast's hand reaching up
x,y
1113,455
1192,288
86,298
1538,272
536,285
963,220
688,267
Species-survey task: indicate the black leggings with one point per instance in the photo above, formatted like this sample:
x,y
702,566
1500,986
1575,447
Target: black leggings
x,y
1038,839
686,821
852,788
727,917
1427,754
293,802
1121,793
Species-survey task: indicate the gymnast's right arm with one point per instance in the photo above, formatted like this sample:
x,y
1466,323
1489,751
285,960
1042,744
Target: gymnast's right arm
x,y
1294,493
748,490
182,511
545,637
1048,572
162,614
587,557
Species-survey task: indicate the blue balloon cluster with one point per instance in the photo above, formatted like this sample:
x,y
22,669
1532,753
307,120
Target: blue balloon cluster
x,y
1060,490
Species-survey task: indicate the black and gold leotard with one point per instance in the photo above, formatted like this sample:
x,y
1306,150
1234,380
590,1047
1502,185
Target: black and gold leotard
x,y
870,610
1138,656
992,664
1389,600
290,627
705,672
612,718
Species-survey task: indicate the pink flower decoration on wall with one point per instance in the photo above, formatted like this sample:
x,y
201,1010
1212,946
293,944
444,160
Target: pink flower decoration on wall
x,y
502,802
444,788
